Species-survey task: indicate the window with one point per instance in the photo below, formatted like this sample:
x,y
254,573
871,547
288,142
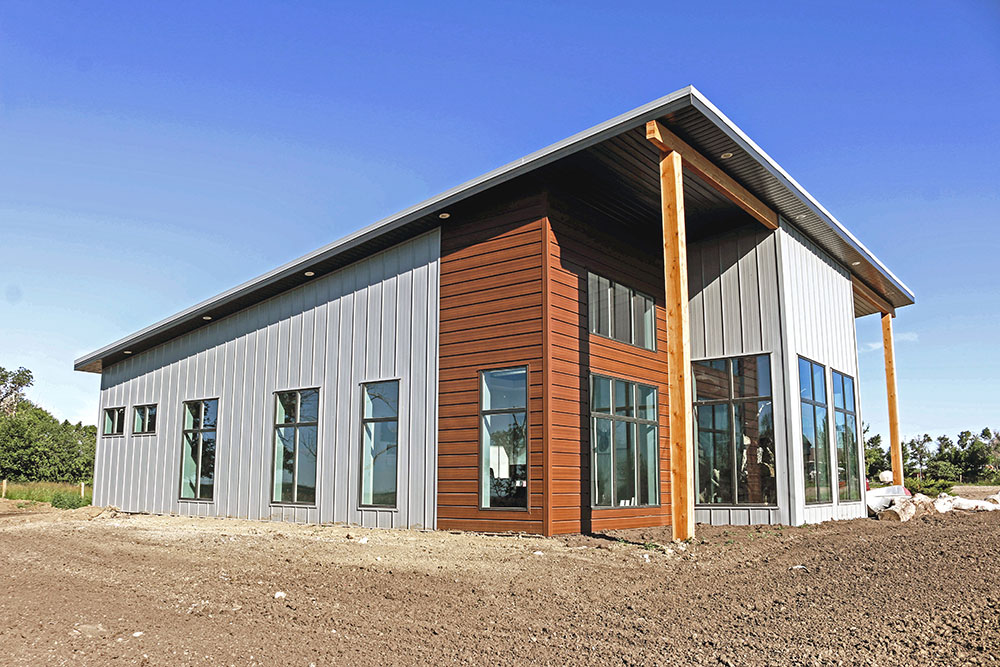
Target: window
x,y
621,313
380,442
845,420
624,443
144,421
735,427
296,422
503,417
114,421
815,436
198,449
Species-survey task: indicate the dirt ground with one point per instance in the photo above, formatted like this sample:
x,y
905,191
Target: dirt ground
x,y
117,589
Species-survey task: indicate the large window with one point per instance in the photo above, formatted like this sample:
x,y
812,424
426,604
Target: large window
x,y
114,421
620,312
380,443
144,420
503,418
624,443
735,421
846,422
296,421
815,432
198,449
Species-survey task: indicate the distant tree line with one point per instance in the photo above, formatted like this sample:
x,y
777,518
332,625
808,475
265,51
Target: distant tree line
x,y
34,445
970,457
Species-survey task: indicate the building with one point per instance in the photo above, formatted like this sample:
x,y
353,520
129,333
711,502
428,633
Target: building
x,y
648,323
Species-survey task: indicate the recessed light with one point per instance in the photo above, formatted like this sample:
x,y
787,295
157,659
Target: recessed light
x,y
444,216
309,274
126,351
726,155
855,263
206,317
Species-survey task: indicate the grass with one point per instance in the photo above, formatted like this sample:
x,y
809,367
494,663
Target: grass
x,y
60,494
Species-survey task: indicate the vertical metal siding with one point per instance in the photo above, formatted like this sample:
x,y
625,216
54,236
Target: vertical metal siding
x,y
376,319
818,298
734,310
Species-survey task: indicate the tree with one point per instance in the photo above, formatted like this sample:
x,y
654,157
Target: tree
x,y
976,458
35,446
920,453
12,386
875,461
938,469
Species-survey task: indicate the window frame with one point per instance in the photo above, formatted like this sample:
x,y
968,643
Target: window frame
x,y
632,293
634,421
858,451
114,434
480,413
731,402
296,425
145,420
829,449
361,442
180,476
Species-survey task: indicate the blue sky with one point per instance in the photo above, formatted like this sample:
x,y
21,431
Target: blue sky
x,y
155,154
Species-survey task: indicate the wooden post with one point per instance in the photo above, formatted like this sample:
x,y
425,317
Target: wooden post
x,y
895,446
3,494
678,346
83,493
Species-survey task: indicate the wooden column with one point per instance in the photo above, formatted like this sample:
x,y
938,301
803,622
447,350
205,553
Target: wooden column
x,y
679,346
895,446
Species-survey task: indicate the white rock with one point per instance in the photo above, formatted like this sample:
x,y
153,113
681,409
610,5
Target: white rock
x,y
885,477
280,595
537,553
363,540
137,634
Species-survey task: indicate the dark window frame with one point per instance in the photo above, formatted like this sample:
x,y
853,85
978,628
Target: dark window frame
x,y
634,421
361,437
184,431
633,293
120,430
296,425
825,405
145,419
834,373
527,436
731,402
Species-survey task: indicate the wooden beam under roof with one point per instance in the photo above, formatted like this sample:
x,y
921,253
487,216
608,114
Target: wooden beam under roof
x,y
668,142
866,293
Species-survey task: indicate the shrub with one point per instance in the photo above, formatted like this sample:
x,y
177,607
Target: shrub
x,y
928,487
943,470
66,500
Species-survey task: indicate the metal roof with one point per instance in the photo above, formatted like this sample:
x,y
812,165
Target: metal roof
x,y
686,111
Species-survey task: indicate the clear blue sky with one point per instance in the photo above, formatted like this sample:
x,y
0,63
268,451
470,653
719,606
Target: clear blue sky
x,y
155,154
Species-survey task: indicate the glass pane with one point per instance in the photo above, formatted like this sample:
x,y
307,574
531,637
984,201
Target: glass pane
x,y
189,465
624,406
604,306
602,463
715,457
192,415
838,390
378,464
287,411
755,475
211,413
809,452
805,379
819,383
823,480
381,400
138,425
843,462
284,464
305,487
600,398
309,405
643,321
109,422
207,478
648,455
645,402
851,446
624,464
711,380
849,393
151,419
120,420
505,460
593,305
505,390
622,312
752,376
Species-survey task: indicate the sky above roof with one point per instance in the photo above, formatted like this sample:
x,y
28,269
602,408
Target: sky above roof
x,y
152,156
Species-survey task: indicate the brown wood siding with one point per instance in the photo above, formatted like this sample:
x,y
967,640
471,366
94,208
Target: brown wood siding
x,y
576,244
492,301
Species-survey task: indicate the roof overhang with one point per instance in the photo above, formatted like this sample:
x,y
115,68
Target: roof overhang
x,y
687,112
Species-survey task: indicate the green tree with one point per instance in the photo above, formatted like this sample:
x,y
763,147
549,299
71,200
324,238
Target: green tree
x,y
938,469
975,460
35,446
920,453
12,386
875,459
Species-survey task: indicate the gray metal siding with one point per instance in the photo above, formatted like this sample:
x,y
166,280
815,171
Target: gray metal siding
x,y
818,300
375,319
734,310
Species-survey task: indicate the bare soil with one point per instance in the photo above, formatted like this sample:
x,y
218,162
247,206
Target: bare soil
x,y
93,588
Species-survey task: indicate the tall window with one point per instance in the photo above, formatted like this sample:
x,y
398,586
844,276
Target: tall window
x,y
114,421
380,442
845,421
503,418
620,312
144,420
735,421
296,421
624,443
815,432
198,449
